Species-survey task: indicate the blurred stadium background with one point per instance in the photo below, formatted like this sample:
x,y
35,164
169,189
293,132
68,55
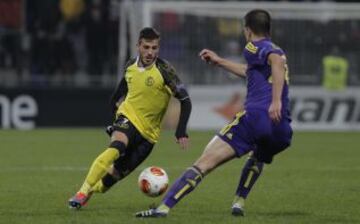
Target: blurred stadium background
x,y
61,57
60,61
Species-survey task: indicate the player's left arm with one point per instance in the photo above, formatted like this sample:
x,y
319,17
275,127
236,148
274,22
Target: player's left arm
x,y
179,92
185,111
277,64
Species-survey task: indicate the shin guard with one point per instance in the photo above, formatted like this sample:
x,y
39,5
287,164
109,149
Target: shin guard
x,y
250,174
183,186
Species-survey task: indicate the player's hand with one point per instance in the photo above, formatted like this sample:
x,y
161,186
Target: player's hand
x,y
275,111
209,57
183,142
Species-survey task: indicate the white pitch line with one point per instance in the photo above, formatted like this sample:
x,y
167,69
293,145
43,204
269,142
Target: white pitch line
x,y
140,168
65,168
43,168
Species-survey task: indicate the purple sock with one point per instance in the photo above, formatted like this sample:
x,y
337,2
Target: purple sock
x,y
250,174
183,185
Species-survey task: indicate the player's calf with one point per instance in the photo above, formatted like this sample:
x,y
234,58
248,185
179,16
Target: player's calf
x,y
249,176
250,173
183,186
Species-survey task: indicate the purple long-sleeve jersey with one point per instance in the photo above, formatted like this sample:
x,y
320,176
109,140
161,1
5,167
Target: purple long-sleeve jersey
x,y
259,80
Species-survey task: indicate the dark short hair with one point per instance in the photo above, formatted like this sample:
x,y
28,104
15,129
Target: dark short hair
x,y
149,33
259,21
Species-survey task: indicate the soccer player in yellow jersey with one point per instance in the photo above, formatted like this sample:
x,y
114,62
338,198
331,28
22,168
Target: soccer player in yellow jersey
x,y
145,90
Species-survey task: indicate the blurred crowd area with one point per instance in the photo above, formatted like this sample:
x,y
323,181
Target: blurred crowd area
x,y
47,43
58,42
306,42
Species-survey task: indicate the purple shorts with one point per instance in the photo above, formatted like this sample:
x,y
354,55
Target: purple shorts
x,y
253,130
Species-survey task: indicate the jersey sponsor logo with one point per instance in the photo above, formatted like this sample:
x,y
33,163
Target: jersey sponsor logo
x,y
149,81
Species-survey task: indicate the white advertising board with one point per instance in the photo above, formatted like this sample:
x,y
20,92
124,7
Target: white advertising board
x,y
312,108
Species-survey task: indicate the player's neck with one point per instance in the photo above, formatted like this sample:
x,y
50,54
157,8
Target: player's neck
x,y
255,38
141,64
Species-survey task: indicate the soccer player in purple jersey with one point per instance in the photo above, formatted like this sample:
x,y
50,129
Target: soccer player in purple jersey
x,y
262,130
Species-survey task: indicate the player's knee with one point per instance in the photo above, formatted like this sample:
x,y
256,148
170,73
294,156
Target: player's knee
x,y
286,140
282,146
107,182
287,143
198,171
193,175
120,146
214,155
265,158
119,136
106,158
205,166
114,173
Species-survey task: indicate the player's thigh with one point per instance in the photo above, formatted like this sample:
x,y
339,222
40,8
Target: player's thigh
x,y
124,130
134,156
139,154
278,142
238,133
216,153
282,137
120,136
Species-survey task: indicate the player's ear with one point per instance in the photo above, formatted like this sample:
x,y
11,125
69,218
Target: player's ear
x,y
138,43
247,33
138,47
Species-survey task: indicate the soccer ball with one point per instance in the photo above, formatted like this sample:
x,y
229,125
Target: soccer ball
x,y
153,181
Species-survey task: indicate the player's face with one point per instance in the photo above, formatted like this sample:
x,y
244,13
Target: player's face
x,y
148,51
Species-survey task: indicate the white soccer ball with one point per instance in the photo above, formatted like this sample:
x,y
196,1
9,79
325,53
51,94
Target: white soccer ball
x,y
153,181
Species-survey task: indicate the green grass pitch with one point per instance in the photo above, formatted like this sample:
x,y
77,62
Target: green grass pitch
x,y
316,181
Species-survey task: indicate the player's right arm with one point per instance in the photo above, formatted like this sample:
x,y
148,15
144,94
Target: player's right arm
x,y
120,92
233,67
122,88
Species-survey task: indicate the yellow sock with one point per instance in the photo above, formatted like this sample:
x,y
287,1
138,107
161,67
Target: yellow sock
x,y
239,200
85,188
99,168
99,187
163,208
